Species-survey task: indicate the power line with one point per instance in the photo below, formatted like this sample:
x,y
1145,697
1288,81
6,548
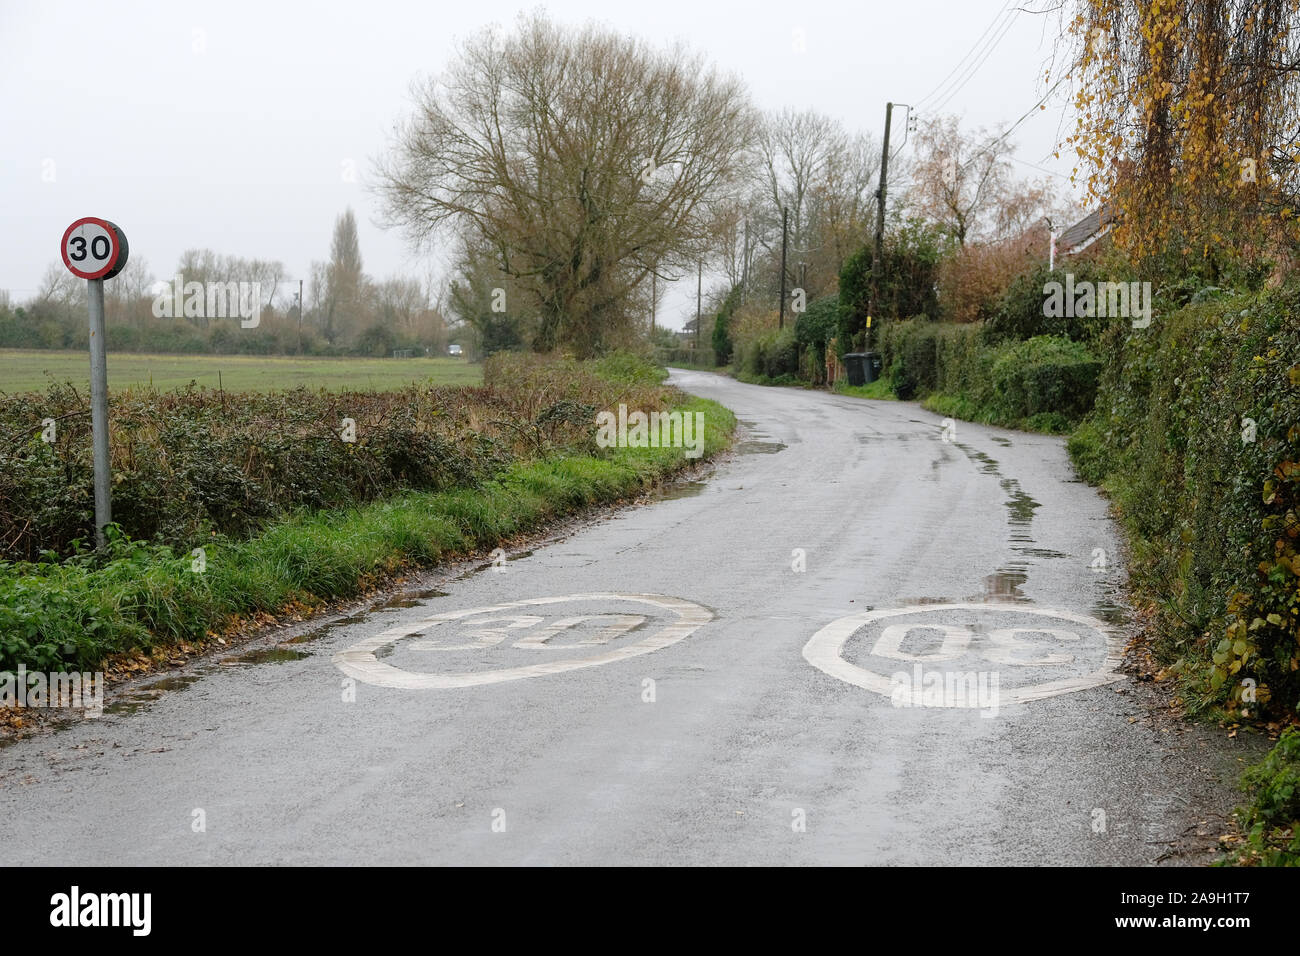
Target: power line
x,y
1028,113
974,68
960,63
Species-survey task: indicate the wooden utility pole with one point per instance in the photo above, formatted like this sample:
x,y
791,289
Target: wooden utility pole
x,y
744,265
699,285
877,260
785,222
884,179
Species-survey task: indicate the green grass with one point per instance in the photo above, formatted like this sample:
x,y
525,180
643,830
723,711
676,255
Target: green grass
x,y
877,389
958,406
77,612
23,370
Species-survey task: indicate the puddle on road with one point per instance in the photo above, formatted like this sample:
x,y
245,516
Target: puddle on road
x,y
404,600
144,695
987,465
1004,585
179,682
1111,613
1004,442
517,556
1021,508
754,445
681,489
1041,552
266,655
316,633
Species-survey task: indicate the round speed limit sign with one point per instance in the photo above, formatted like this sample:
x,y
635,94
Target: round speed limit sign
x,y
94,249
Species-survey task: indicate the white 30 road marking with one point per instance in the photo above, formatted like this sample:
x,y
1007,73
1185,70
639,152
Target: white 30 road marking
x,y
825,649
359,661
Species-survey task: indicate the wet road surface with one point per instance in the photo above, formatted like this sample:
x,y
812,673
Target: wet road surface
x,y
869,637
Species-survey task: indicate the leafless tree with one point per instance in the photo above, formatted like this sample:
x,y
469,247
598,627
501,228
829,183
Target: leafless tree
x,y
966,184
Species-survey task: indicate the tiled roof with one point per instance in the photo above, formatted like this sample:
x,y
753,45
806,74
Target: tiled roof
x,y
1096,223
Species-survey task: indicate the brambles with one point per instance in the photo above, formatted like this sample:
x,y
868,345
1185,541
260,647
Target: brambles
x,y
194,463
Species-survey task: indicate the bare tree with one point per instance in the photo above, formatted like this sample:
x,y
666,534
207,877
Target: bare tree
x,y
126,295
582,158
796,148
966,184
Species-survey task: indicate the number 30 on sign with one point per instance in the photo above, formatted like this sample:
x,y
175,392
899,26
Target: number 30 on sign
x,y
94,249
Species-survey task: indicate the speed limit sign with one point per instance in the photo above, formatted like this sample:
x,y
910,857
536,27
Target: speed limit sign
x,y
94,248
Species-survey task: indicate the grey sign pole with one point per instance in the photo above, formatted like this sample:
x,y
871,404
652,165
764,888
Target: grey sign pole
x,y
99,409
95,249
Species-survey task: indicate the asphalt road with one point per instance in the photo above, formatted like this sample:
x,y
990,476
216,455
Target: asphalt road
x,y
695,695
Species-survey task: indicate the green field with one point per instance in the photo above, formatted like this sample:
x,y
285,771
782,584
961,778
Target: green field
x,y
23,370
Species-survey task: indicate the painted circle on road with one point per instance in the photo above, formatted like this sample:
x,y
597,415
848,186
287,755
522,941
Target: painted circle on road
x,y
1071,652
531,626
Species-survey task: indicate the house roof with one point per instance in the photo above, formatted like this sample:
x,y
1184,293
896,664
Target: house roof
x,y
1086,231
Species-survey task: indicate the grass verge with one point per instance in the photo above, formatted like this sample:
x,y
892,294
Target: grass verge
x,y
878,389
73,614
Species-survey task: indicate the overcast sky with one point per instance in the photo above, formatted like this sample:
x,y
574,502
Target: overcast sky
x,y
247,127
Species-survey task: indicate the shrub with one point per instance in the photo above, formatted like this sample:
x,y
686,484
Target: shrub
x,y
814,330
1019,312
1197,435
193,463
1045,383
1044,375
772,354
911,254
973,279
1272,820
721,339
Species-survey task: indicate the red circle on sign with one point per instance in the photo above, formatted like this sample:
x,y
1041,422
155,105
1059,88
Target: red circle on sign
x,y
116,251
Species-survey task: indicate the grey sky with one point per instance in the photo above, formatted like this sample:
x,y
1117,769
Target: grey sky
x,y
234,125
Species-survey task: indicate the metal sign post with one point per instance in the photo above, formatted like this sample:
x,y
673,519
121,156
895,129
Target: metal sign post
x,y
96,249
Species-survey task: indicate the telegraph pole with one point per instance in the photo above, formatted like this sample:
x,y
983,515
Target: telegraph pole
x,y
878,259
652,306
744,265
884,178
785,223
699,285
